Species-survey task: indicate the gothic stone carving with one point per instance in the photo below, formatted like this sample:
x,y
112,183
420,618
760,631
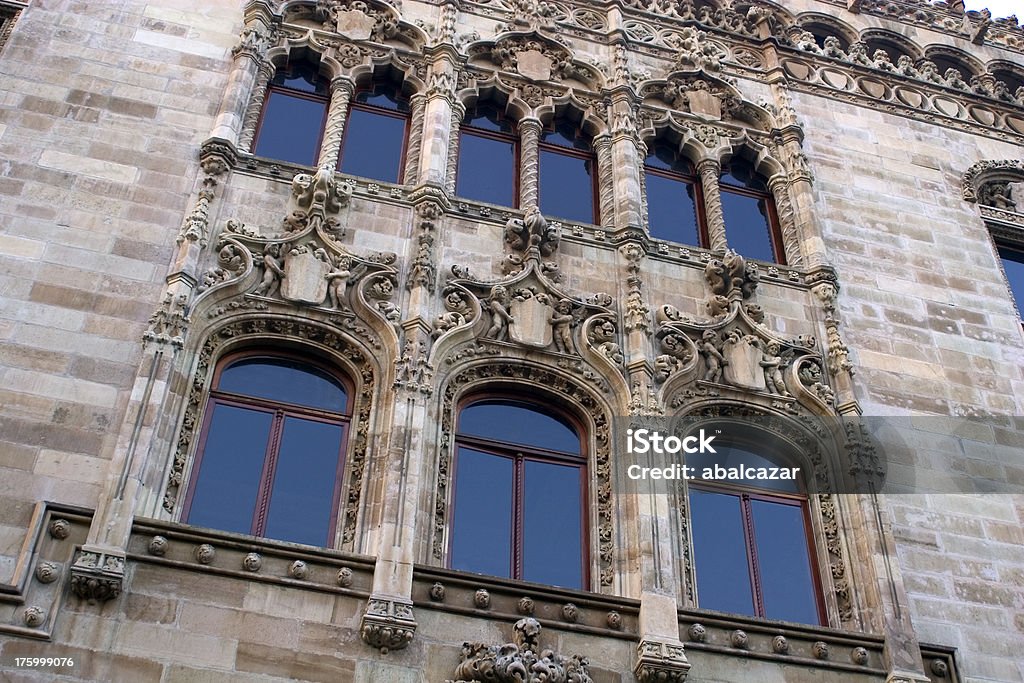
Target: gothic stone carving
x,y
387,624
521,661
659,662
97,575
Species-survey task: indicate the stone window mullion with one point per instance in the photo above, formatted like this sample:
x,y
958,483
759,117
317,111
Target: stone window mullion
x,y
529,141
709,171
251,119
337,113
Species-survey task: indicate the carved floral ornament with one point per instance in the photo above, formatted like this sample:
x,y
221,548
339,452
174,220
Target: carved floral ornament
x,y
370,20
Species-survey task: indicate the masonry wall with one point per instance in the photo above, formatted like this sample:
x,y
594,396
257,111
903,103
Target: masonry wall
x,y
103,109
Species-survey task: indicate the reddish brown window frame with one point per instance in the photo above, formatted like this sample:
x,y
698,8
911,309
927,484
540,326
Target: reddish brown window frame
x,y
589,155
688,177
280,411
519,454
512,137
405,116
299,94
746,494
771,220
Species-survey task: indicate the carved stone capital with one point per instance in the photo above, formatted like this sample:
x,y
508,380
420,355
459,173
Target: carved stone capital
x,y
97,574
660,661
387,624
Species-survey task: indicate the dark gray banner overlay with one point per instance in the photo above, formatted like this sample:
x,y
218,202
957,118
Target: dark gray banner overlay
x,y
890,455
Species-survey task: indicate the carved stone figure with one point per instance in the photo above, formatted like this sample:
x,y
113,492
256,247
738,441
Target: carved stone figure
x,y
561,326
457,313
712,356
772,362
337,281
602,337
498,307
273,271
521,661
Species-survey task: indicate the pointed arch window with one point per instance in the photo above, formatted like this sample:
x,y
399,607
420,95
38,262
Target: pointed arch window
x,y
1012,258
271,451
752,545
376,133
567,176
520,490
294,114
488,157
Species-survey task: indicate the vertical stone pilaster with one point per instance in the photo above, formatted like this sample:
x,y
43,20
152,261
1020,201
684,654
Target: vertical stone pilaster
x,y
529,156
778,185
342,88
709,171
439,124
452,162
247,70
606,197
250,121
626,160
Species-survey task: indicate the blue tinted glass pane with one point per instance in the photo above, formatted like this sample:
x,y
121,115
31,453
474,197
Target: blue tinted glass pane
x,y
719,550
566,188
1013,264
671,210
486,170
290,130
385,100
286,381
552,529
373,145
302,500
566,135
488,119
519,424
784,562
301,77
482,527
229,474
746,226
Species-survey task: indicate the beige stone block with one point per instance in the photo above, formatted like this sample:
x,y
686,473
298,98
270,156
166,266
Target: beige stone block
x,y
77,391
288,602
21,247
73,163
240,625
163,643
304,666
74,466
179,44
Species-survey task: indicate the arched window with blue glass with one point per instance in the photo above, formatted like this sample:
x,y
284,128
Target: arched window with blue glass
x,y
376,132
567,173
675,203
488,169
271,452
294,114
751,221
753,548
518,508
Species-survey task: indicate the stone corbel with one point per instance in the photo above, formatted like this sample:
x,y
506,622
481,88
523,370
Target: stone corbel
x,y
97,573
660,662
388,623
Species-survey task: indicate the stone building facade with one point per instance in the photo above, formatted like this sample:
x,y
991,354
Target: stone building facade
x,y
147,246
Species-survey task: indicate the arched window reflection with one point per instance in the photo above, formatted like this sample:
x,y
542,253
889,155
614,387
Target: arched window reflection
x,y
518,508
752,545
270,455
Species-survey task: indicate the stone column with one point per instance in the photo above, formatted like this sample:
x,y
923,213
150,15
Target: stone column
x,y
626,163
248,69
342,88
529,157
452,162
779,186
433,152
709,171
252,112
